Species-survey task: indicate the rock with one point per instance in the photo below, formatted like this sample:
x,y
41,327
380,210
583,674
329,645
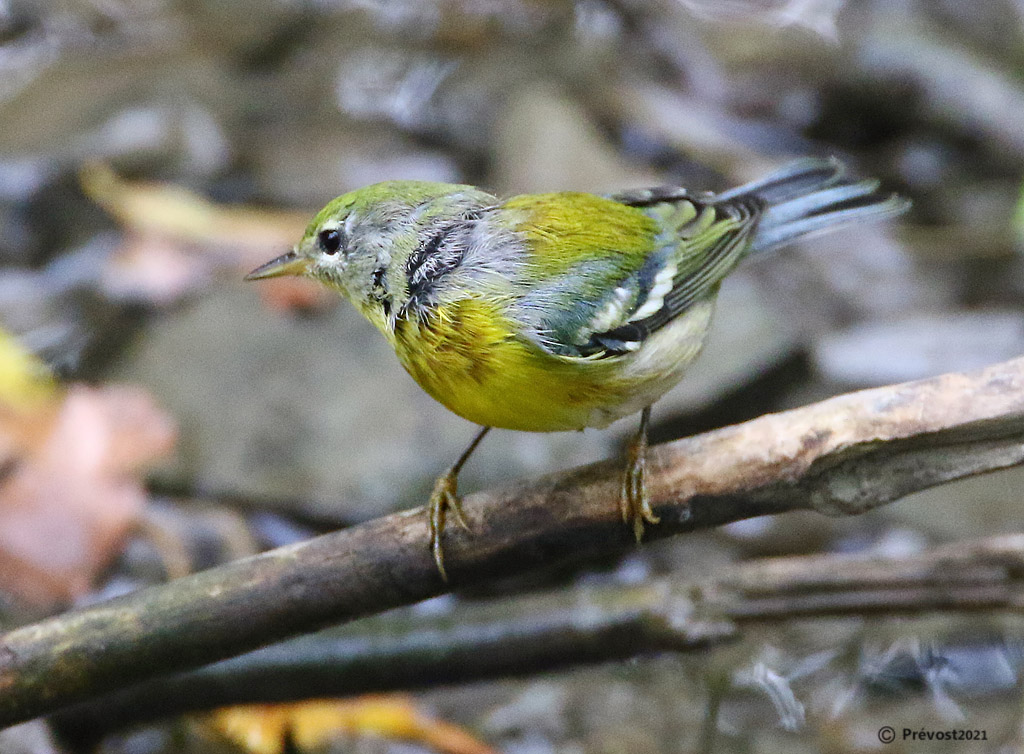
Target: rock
x,y
980,506
317,411
748,337
28,738
919,345
546,141
310,164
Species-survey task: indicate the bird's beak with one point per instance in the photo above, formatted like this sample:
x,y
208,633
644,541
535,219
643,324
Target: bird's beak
x,y
286,264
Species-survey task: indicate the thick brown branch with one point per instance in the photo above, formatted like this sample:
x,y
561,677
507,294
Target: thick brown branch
x,y
538,633
845,455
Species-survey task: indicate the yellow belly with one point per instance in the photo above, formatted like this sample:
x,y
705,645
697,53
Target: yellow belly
x,y
500,383
469,360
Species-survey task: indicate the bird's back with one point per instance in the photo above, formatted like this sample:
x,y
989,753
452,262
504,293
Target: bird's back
x,y
571,309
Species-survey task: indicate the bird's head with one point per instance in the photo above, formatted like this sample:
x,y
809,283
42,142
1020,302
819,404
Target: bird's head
x,y
359,243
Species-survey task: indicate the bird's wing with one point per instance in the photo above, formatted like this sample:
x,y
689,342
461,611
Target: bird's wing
x,y
705,239
609,271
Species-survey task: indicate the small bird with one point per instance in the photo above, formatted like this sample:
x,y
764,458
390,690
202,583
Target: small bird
x,y
560,311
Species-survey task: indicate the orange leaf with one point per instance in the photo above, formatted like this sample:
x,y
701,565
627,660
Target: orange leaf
x,y
264,729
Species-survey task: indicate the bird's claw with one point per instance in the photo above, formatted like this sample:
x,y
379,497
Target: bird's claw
x,y
444,498
635,503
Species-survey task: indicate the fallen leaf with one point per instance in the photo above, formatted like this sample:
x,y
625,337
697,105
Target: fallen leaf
x,y
71,463
27,392
24,380
154,269
266,728
174,212
176,240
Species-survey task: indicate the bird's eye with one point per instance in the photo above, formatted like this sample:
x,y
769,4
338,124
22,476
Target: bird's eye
x,y
330,240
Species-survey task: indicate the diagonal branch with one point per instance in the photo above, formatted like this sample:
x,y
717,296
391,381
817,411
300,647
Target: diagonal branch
x,y
846,455
538,633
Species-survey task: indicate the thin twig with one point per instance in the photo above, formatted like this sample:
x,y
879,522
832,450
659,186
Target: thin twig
x,y
846,455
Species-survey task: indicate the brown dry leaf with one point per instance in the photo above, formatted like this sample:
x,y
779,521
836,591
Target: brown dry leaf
x,y
265,728
175,240
70,488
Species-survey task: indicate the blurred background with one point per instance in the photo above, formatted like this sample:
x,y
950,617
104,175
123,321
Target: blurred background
x,y
158,415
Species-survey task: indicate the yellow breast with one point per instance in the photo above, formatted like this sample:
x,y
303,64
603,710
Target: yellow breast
x,y
467,356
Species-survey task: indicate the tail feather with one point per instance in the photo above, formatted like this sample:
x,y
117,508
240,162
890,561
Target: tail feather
x,y
768,237
809,204
795,179
810,196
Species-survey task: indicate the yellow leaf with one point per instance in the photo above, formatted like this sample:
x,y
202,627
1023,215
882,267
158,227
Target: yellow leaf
x,y
25,381
176,240
174,212
264,729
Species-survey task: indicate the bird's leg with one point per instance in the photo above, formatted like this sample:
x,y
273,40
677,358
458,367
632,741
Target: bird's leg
x,y
635,502
446,496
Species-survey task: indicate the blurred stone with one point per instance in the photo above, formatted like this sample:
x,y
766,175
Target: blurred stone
x,y
16,237
80,93
851,274
242,29
957,86
704,132
976,219
151,739
538,710
884,352
188,133
29,46
817,16
748,336
392,84
977,507
545,141
120,82
56,310
307,165
28,738
20,177
435,94
317,411
925,164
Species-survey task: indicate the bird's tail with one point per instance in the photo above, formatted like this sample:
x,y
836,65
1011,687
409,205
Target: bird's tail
x,y
809,196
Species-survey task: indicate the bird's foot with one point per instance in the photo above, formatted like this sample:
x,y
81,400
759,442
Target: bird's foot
x,y
635,502
445,497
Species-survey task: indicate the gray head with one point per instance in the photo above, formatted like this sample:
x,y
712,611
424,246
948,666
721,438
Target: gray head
x,y
362,242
